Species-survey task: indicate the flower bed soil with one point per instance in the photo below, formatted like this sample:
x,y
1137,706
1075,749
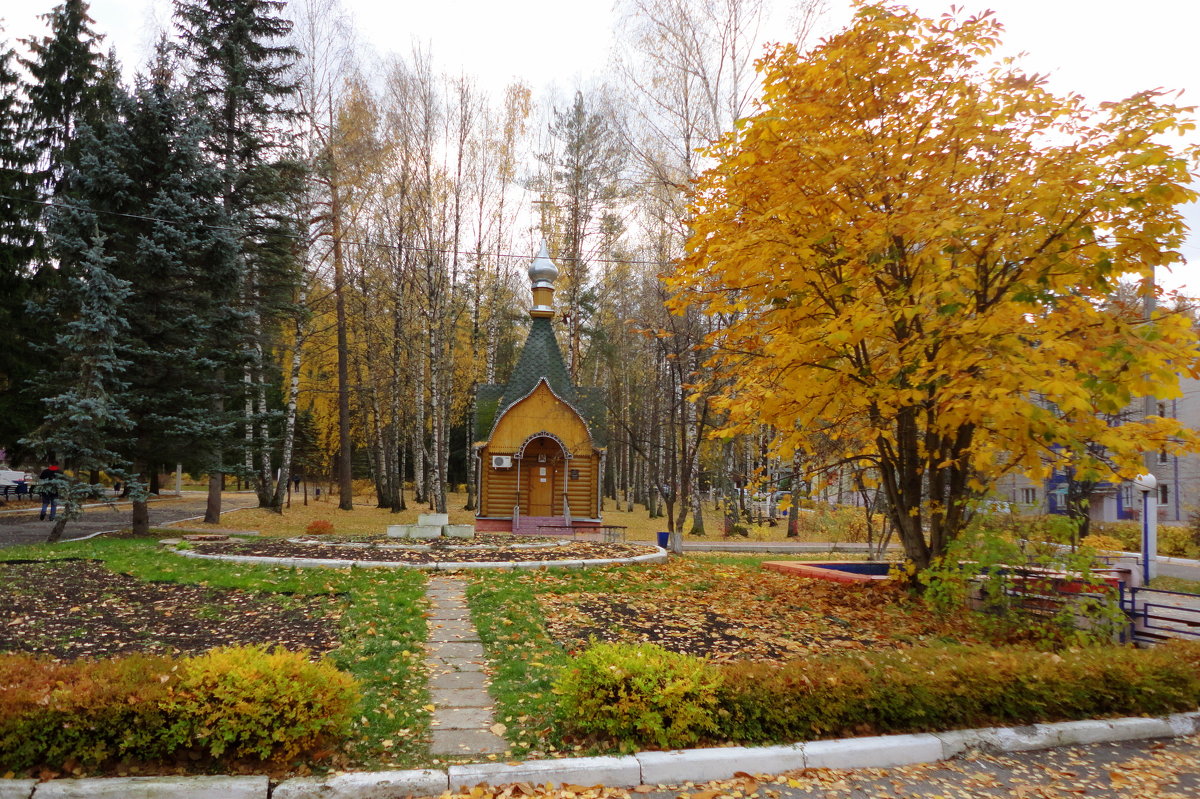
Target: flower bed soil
x,y
480,540
456,552
70,609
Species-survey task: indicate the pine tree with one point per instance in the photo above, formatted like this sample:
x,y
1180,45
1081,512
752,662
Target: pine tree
x,y
19,245
239,72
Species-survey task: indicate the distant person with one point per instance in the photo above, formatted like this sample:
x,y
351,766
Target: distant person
x,y
49,492
117,487
296,482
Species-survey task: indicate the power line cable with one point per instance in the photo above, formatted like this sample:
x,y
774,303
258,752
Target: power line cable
x,y
380,245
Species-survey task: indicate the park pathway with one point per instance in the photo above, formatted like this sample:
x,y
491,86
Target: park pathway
x,y
462,716
19,523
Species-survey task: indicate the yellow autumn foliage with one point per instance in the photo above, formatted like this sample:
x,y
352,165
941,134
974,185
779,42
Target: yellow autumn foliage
x,y
912,250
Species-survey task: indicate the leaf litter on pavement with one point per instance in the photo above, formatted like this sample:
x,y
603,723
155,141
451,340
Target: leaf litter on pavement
x,y
1127,770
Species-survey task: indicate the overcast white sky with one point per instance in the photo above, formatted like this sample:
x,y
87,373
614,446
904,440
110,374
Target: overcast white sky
x,y
1104,49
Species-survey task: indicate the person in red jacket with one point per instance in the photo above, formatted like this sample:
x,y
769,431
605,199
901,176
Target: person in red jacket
x,y
49,492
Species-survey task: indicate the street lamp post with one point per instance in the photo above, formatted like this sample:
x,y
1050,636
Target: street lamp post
x,y
1147,484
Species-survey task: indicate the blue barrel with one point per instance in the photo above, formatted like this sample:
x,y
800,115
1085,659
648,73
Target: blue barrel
x,y
664,539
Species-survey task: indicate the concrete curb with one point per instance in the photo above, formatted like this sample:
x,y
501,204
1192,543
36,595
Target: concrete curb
x,y
644,768
659,556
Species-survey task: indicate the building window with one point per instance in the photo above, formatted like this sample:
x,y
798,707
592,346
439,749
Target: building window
x,y
1029,496
1163,457
1164,494
1162,409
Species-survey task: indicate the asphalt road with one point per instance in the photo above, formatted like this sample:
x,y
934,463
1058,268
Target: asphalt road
x,y
20,524
1148,769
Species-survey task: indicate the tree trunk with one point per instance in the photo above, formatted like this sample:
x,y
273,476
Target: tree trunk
x,y
345,445
212,511
289,421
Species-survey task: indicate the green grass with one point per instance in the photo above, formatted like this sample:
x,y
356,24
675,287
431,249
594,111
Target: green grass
x,y
525,660
382,630
1176,584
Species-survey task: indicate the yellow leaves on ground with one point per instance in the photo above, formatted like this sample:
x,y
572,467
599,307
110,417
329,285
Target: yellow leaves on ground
x,y
731,613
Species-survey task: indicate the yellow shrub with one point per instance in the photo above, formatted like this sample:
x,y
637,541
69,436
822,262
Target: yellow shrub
x,y
248,702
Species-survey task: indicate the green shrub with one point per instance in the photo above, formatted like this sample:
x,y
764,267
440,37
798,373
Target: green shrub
x,y
81,714
640,695
938,689
643,696
997,574
231,703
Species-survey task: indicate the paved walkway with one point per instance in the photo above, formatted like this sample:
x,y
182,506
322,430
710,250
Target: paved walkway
x,y
24,527
462,717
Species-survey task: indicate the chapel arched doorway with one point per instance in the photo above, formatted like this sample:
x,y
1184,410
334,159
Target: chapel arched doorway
x,y
543,466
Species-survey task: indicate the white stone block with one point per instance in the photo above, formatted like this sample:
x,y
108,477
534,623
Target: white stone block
x,y
955,742
425,531
1070,733
433,519
16,789
882,751
1021,739
365,785
398,530
717,764
459,531
612,772
155,788
1184,723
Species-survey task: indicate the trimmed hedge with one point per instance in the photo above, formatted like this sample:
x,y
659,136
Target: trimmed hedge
x,y
639,694
231,703
911,690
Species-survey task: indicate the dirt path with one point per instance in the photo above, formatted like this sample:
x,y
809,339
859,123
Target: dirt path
x,y
25,527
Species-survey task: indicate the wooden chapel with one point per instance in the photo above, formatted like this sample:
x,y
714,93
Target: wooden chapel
x,y
539,449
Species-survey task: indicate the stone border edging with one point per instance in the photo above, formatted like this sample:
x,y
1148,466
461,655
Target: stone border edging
x,y
426,547
628,771
659,556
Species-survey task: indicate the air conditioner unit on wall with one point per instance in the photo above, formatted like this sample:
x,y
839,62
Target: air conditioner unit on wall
x,y
501,461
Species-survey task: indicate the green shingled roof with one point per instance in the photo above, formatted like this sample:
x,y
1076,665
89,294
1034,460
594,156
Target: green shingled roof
x,y
487,403
540,358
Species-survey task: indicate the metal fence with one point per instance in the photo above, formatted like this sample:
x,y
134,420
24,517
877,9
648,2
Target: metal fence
x,y
1156,615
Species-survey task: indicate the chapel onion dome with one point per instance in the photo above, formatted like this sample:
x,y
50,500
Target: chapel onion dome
x,y
543,272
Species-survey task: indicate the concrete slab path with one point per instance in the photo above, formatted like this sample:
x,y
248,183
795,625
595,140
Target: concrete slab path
x,y
463,723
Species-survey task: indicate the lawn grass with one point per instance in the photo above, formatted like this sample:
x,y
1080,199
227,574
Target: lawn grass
x,y
822,524
382,631
1176,584
525,660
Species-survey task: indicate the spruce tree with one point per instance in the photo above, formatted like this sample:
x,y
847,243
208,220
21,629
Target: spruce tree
x,y
239,70
19,245
67,88
175,246
85,423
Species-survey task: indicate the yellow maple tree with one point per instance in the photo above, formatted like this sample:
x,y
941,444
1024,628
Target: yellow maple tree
x,y
910,245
